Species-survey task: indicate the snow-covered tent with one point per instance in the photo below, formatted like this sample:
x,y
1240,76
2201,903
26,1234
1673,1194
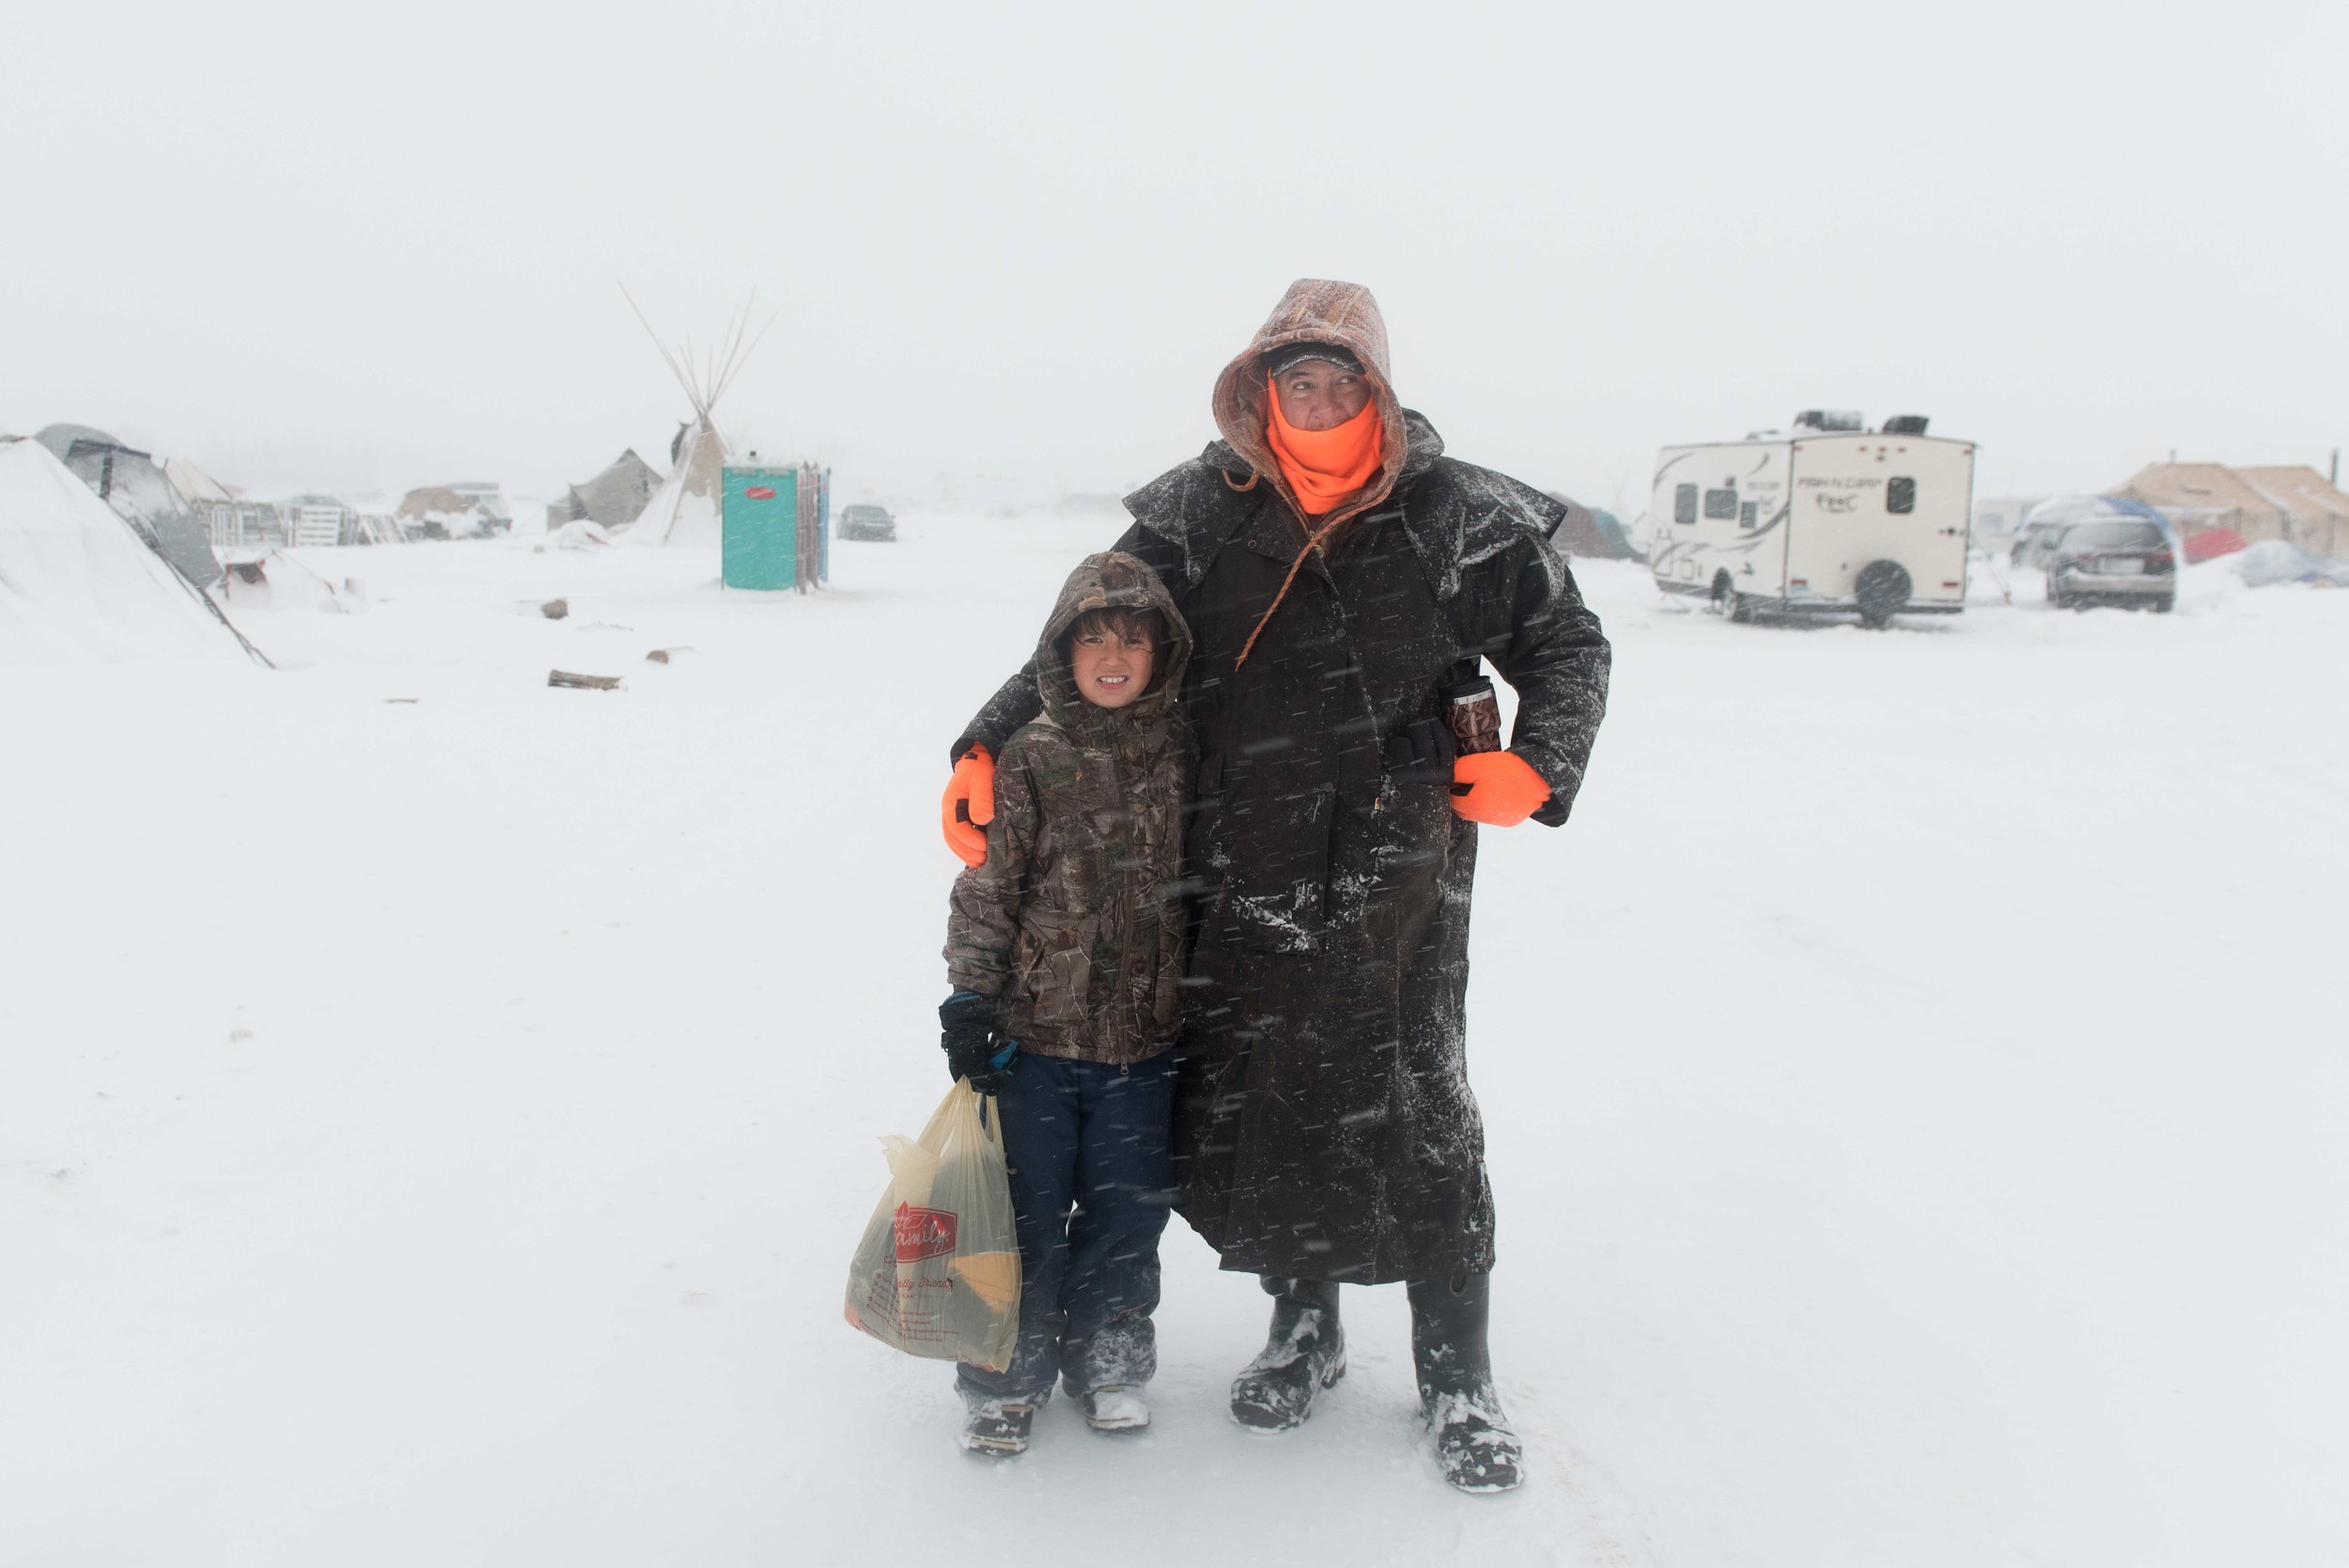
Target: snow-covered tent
x,y
78,583
439,512
196,488
135,485
612,499
2274,561
687,508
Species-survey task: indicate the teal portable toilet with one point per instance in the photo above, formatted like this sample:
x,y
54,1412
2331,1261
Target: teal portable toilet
x,y
761,528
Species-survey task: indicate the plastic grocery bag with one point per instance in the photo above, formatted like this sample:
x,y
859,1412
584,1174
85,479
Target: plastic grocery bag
x,y
937,1272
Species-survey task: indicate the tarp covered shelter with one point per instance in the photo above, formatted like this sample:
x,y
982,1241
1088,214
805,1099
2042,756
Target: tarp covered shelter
x,y
612,499
78,583
135,485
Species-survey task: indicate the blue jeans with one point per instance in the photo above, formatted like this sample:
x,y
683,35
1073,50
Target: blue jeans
x,y
1092,1179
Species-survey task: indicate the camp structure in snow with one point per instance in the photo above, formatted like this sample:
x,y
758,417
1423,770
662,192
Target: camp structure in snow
x,y
445,512
687,509
136,487
1593,534
1829,518
78,582
2288,502
612,499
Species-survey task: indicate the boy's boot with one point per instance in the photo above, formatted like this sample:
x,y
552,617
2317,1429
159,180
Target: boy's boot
x,y
1304,1353
998,1426
1449,1345
1117,1407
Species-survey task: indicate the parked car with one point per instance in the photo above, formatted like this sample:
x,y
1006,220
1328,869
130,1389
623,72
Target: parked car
x,y
2031,541
864,521
2121,562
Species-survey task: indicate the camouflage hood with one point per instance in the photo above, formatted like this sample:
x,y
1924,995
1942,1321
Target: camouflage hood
x,y
1074,924
1314,310
1110,579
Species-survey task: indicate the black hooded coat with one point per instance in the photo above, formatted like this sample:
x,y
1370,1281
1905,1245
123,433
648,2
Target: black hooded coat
x,y
1325,1126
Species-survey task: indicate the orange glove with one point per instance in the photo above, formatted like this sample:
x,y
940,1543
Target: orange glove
x,y
970,799
1497,787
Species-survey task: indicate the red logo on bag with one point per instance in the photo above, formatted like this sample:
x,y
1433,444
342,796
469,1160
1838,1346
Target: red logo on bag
x,y
761,492
924,1233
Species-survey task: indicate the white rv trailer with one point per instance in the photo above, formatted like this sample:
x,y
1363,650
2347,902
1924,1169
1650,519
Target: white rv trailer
x,y
1826,518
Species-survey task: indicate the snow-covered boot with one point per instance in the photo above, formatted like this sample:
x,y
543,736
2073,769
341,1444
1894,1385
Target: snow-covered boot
x,y
1117,1407
998,1426
1304,1353
1450,1347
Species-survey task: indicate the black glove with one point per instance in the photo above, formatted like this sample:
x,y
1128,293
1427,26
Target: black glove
x,y
967,1021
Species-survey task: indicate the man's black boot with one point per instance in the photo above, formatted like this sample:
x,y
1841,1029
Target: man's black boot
x,y
1450,1347
1304,1353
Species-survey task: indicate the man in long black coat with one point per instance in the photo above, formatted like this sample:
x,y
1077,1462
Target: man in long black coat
x,y
1326,1132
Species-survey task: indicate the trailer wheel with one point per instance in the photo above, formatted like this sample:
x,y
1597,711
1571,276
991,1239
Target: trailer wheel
x,y
1882,590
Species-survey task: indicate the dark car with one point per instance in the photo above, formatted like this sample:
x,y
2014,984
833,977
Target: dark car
x,y
864,521
2119,561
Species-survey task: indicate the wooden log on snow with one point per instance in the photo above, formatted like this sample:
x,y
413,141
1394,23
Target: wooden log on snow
x,y
582,683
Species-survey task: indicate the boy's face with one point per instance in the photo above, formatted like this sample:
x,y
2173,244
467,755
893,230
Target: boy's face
x,y
1111,670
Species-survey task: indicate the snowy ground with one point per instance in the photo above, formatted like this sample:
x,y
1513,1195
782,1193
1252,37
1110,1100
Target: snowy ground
x,y
437,1110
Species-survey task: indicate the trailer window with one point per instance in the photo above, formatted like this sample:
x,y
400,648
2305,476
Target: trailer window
x,y
1749,513
1685,503
1720,504
1900,495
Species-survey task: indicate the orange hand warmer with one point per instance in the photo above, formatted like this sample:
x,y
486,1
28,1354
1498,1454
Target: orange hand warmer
x,y
1323,467
1502,788
973,790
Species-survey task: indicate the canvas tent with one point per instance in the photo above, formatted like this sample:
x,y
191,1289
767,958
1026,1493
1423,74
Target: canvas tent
x,y
687,509
2292,503
195,487
2316,513
131,483
79,584
612,499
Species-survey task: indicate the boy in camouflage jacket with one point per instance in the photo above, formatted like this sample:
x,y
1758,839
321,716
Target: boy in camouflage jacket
x,y
1065,949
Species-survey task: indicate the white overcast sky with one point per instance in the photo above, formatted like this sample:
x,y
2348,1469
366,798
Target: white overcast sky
x,y
324,247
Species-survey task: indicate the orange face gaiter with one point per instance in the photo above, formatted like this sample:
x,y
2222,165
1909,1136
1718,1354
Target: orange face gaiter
x,y
1323,467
